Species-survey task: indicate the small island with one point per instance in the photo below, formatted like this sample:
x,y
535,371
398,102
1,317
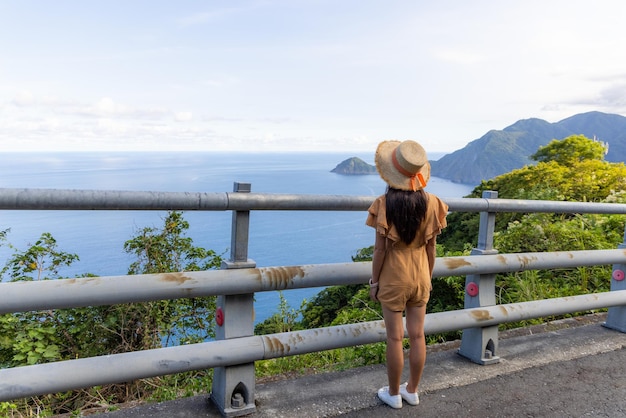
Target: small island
x,y
354,166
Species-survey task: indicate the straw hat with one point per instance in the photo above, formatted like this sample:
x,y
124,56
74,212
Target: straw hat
x,y
403,165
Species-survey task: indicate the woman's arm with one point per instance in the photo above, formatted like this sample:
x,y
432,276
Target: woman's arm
x,y
431,252
377,264
378,257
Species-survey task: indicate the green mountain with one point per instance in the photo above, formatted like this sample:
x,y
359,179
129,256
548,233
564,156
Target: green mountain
x,y
498,152
354,166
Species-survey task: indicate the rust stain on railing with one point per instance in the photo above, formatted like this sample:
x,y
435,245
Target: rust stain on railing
x,y
481,314
525,260
367,326
275,346
79,281
296,342
456,262
179,278
281,277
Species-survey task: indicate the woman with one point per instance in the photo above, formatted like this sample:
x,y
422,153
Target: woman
x,y
407,220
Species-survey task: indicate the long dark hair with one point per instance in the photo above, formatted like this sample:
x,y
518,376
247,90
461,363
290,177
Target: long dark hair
x,y
406,210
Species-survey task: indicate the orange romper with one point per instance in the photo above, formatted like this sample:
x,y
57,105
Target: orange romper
x,y
405,278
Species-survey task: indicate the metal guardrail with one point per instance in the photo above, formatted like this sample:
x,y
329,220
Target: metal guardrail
x,y
72,374
61,199
235,350
105,290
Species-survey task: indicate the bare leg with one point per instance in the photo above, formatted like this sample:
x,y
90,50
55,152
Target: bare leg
x,y
415,317
395,354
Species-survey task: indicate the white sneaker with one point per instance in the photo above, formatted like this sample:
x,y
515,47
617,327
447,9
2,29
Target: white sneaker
x,y
394,401
410,398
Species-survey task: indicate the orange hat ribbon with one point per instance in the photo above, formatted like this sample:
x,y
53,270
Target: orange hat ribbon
x,y
422,181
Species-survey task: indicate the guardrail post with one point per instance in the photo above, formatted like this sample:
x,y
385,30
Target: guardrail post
x,y
480,345
234,386
616,318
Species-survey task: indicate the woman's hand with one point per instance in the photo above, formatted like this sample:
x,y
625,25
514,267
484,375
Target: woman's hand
x,y
374,293
373,290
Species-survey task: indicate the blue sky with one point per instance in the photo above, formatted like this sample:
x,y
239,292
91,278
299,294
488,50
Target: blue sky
x,y
299,75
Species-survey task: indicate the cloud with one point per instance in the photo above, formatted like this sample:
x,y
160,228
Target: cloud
x,y
23,98
26,98
613,96
107,107
216,118
223,74
183,116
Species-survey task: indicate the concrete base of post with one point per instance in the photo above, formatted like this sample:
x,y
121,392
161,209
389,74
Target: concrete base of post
x,y
616,319
233,394
480,345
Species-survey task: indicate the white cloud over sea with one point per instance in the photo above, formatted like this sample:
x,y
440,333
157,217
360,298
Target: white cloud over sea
x,y
278,75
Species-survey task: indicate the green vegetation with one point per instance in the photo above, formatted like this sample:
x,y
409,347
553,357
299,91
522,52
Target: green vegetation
x,y
45,336
562,174
572,169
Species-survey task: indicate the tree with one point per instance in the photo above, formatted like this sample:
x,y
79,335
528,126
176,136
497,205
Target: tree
x,y
54,335
572,169
41,261
571,150
33,337
323,308
168,250
285,320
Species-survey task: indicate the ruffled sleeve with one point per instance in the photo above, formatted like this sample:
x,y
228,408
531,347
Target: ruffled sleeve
x,y
377,219
435,218
377,216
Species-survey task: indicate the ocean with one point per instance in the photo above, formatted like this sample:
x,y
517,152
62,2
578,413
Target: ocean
x,y
277,238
